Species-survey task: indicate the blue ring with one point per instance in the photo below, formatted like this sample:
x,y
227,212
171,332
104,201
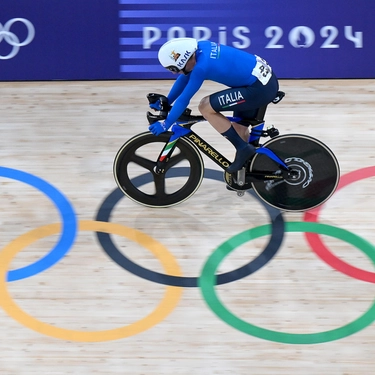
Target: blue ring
x,y
270,250
68,218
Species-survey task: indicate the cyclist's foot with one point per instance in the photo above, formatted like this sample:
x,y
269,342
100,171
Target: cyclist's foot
x,y
230,188
241,157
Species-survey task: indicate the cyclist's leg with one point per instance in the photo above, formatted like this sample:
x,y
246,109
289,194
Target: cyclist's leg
x,y
243,129
218,121
243,150
233,132
239,100
258,96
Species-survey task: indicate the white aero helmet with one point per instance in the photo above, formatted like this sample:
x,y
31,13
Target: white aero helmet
x,y
175,53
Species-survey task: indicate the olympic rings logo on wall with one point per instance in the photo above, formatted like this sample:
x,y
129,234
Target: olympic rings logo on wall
x,y
12,39
172,277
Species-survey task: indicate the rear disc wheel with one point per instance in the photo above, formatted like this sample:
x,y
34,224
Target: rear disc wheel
x,y
312,179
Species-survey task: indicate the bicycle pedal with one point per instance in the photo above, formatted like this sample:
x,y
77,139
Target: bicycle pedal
x,y
241,174
240,193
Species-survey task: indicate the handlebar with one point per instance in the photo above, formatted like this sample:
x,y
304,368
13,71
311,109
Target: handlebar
x,y
165,108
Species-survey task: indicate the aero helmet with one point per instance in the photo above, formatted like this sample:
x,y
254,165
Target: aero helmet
x,y
175,53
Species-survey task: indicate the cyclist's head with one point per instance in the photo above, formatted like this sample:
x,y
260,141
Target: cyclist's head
x,y
175,54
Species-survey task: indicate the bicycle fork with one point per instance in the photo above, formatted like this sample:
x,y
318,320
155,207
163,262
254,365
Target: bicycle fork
x,y
167,150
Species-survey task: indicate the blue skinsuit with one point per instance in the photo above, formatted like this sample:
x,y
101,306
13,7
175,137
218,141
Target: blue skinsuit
x,y
219,63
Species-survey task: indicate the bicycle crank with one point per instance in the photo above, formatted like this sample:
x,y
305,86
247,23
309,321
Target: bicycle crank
x,y
237,181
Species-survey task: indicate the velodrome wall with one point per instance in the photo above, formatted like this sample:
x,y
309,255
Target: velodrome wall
x,y
119,39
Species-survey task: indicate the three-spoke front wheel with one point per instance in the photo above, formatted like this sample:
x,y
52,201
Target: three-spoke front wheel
x,y
137,159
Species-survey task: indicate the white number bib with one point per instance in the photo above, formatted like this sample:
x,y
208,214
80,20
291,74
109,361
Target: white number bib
x,y
262,70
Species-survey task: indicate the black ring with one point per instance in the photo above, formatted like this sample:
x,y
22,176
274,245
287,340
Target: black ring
x,y
262,259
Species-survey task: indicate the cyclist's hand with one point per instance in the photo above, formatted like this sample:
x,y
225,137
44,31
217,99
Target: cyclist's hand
x,y
156,106
157,128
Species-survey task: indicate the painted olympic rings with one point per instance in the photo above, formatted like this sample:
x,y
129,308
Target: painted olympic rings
x,y
68,218
109,247
12,39
168,303
172,277
321,250
208,280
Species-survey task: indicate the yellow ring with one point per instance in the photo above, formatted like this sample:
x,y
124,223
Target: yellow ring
x,y
168,303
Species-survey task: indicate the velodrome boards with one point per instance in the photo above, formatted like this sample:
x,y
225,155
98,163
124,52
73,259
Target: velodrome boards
x,y
68,307
93,283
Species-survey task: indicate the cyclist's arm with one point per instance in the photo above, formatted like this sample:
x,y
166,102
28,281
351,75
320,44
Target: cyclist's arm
x,y
195,81
177,88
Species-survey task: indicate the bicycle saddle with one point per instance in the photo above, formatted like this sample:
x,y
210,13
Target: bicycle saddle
x,y
279,96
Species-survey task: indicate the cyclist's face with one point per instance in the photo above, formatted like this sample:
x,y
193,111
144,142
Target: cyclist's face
x,y
189,65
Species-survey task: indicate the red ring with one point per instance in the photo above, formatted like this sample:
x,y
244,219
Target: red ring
x,y
321,250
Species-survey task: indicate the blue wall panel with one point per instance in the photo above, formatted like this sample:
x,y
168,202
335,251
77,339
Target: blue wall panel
x,y
119,39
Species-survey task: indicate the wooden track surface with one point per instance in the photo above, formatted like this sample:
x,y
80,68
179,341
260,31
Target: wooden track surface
x,y
67,134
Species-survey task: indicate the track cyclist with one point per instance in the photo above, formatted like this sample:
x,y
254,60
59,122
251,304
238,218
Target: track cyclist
x,y
250,80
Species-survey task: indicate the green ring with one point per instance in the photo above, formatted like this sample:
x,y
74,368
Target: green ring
x,y
207,283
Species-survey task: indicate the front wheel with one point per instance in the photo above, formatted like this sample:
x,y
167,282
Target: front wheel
x,y
313,177
134,170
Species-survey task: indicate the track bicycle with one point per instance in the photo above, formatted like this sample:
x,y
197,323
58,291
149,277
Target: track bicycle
x,y
291,172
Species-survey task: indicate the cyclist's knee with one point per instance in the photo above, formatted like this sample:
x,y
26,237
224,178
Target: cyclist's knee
x,y
205,106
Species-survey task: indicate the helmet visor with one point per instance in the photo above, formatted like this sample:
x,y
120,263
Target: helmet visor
x,y
173,69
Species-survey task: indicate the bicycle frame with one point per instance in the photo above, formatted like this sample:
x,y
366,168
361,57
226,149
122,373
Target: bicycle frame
x,y
183,129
